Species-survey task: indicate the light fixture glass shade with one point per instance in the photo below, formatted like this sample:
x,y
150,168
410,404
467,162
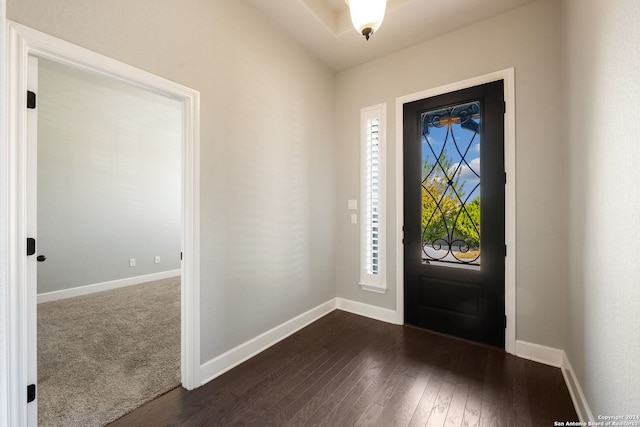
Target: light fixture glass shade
x,y
367,15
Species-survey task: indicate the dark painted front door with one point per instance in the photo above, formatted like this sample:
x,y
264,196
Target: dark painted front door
x,y
454,206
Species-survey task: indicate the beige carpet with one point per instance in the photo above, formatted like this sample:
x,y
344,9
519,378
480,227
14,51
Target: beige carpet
x,y
103,355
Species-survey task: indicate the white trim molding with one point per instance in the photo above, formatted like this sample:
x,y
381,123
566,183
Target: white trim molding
x,y
559,359
575,390
366,310
539,353
508,76
373,199
526,350
378,289
105,286
24,42
232,358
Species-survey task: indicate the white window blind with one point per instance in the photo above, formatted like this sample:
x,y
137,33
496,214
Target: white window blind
x,y
372,201
372,198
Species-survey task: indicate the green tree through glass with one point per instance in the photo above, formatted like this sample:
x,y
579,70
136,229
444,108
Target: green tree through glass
x,y
445,219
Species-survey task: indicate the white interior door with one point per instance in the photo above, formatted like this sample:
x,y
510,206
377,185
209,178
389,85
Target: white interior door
x,y
32,232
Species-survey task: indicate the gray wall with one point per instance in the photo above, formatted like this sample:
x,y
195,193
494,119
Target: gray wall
x,y
602,94
527,39
108,179
267,147
572,294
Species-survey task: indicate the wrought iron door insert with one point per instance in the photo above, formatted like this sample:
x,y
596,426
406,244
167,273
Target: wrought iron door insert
x,y
451,185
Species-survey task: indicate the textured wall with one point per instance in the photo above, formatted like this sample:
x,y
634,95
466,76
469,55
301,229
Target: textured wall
x,y
267,150
108,179
602,59
527,39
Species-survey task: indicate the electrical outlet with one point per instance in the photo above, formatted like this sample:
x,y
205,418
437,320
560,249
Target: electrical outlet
x,y
132,262
157,259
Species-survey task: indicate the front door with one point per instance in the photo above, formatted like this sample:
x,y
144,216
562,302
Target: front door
x,y
454,207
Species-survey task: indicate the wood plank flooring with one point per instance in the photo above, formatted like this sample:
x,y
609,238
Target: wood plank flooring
x,y
347,370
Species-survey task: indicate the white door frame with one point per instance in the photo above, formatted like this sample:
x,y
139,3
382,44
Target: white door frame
x,y
508,75
21,296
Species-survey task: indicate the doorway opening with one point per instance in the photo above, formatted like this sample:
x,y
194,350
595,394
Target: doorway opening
x,y
22,286
508,76
108,235
454,213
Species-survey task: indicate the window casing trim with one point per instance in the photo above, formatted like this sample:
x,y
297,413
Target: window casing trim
x,y
373,199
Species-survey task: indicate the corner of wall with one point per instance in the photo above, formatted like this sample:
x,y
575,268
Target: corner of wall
x,y
367,310
558,358
232,358
220,364
575,390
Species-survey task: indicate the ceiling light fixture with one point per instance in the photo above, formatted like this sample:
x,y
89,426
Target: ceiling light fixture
x,y
367,15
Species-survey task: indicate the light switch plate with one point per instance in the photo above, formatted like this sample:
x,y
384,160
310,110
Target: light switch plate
x,y
352,204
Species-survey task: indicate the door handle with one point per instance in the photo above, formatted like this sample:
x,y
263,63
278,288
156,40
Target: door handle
x,y
41,258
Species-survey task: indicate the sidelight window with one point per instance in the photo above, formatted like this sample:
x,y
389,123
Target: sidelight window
x,y
372,222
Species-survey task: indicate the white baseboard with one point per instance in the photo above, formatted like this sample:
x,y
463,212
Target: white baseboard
x,y
559,359
526,350
575,390
366,310
105,286
539,353
232,358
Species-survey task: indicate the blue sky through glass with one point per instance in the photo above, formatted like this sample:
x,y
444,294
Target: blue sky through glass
x,y
467,145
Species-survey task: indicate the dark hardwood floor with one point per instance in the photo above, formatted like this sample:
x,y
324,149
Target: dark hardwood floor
x,y
347,370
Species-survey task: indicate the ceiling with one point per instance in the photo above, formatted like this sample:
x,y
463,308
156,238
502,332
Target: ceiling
x,y
324,26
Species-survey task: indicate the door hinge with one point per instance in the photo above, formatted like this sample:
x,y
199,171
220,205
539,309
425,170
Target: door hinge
x,y
31,246
505,177
31,393
31,100
505,250
505,321
180,256
504,107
